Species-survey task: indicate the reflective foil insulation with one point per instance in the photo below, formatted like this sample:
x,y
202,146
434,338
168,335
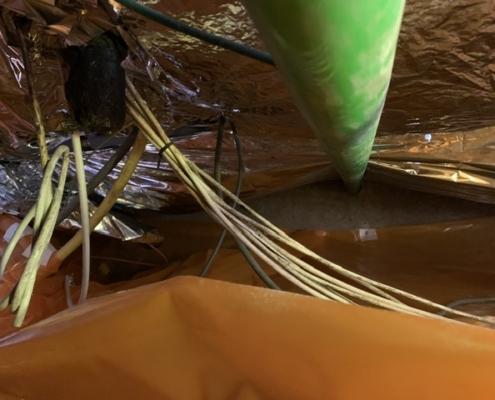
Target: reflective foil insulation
x,y
152,327
435,134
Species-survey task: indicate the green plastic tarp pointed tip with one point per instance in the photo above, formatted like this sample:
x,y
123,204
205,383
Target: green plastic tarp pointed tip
x,y
336,57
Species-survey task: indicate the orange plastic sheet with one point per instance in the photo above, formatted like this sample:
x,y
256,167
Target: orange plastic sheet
x,y
191,338
442,262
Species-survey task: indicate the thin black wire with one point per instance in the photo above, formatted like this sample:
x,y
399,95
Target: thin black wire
x,y
217,176
93,183
465,302
172,23
161,151
240,173
217,173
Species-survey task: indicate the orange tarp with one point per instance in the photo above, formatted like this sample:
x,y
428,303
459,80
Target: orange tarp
x,y
191,338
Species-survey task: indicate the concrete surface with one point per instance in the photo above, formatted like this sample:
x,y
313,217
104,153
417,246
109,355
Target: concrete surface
x,y
328,205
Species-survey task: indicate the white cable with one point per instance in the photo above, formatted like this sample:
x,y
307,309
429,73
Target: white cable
x,y
84,214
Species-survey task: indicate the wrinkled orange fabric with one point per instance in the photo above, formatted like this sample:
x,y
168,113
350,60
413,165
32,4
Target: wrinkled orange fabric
x,y
15,268
191,338
442,262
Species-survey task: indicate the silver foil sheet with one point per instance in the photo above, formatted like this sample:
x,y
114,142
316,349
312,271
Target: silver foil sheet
x,y
435,133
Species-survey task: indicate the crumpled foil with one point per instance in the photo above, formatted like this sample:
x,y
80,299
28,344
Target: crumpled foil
x,y
111,225
20,183
459,164
434,133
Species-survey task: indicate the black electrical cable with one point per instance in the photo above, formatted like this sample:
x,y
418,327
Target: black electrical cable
x,y
207,37
217,173
93,183
244,250
217,176
240,173
465,302
161,151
